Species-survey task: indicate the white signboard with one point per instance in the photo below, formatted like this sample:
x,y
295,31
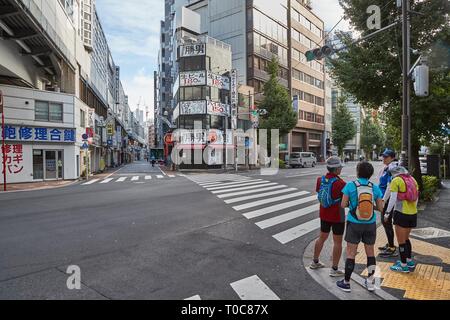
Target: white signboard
x,y
192,50
192,107
234,89
217,108
193,78
176,112
201,136
218,81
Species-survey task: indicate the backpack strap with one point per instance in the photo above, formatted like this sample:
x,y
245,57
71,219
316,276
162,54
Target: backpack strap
x,y
357,184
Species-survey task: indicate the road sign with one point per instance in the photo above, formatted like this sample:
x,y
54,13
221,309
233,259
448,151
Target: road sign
x,y
85,146
85,136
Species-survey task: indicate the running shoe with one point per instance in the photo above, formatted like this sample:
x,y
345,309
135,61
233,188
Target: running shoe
x,y
317,265
383,248
369,285
411,265
336,273
397,267
344,286
389,252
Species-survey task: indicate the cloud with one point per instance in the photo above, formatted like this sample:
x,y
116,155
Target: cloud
x,y
330,12
139,89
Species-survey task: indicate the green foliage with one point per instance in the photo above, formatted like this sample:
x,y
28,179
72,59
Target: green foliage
x,y
371,134
344,126
278,103
282,164
430,187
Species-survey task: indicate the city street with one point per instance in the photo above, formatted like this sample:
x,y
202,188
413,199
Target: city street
x,y
144,234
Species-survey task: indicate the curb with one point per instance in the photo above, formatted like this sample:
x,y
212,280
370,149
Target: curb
x,y
42,188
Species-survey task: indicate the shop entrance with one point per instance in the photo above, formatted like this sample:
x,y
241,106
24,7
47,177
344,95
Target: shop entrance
x,y
48,165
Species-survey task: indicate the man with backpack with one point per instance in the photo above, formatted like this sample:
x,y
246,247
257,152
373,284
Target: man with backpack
x,y
404,196
332,216
385,178
363,198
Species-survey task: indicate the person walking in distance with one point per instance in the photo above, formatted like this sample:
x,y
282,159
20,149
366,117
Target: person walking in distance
x,y
385,178
404,196
332,216
362,197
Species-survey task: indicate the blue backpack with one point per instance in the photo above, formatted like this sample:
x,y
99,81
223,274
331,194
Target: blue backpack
x,y
325,193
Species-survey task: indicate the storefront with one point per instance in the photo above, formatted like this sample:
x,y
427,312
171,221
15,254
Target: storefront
x,y
40,154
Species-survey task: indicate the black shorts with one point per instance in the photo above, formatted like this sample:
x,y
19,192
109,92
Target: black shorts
x,y
361,232
337,227
405,220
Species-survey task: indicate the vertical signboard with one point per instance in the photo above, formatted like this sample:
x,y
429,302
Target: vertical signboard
x,y
234,98
3,141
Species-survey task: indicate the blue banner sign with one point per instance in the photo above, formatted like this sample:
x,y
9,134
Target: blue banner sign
x,y
41,134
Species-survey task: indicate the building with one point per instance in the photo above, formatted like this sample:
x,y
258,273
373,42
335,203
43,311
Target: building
x,y
353,147
64,101
257,30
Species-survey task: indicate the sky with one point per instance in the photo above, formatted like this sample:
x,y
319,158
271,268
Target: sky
x,y
132,29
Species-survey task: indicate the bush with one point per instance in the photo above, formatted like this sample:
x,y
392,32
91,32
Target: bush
x,y
282,164
430,187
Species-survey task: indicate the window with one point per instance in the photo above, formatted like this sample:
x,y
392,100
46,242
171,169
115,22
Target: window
x,y
48,111
82,119
315,136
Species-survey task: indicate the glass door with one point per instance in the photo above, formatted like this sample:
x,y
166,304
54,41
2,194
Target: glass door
x,y
38,165
50,165
60,164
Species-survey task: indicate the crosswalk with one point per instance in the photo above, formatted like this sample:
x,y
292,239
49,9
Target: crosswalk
x,y
291,212
132,179
251,288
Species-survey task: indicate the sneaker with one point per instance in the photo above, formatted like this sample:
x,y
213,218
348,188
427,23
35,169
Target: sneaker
x,y
397,267
411,265
369,285
336,273
383,248
344,286
389,252
317,265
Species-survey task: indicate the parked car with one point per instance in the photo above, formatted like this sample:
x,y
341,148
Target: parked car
x,y
302,159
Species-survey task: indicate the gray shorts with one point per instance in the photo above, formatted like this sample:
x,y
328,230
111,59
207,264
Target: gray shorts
x,y
361,232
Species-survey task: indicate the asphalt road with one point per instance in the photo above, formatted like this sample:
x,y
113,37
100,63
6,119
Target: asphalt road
x,y
144,234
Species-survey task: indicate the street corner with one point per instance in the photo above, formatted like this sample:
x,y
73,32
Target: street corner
x,y
431,278
35,186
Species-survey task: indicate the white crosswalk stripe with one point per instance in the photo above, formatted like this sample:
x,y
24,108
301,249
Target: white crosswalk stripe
x,y
122,179
159,177
263,197
270,200
148,177
197,297
107,180
253,288
91,182
136,178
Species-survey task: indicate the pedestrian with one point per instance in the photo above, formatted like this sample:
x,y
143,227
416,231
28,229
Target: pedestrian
x,y
385,178
362,197
404,196
332,216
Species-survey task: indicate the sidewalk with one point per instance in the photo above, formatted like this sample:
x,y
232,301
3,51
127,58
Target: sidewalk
x,y
431,251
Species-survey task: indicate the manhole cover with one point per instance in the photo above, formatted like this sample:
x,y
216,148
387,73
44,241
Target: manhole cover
x,y
430,233
427,259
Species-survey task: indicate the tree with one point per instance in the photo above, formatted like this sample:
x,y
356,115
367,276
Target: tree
x,y
371,135
344,126
371,71
277,102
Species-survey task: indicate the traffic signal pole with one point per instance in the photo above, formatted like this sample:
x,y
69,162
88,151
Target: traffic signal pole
x,y
406,103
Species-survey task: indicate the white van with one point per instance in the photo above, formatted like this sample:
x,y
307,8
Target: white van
x,y
302,159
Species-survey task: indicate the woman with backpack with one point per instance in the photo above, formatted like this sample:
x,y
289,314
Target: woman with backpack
x,y
404,196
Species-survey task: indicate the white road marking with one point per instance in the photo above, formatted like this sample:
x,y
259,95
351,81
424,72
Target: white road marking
x,y
303,175
286,217
171,176
162,171
253,288
298,231
259,195
237,184
244,188
106,180
135,178
277,207
121,179
197,297
228,183
227,195
90,182
160,176
148,177
270,200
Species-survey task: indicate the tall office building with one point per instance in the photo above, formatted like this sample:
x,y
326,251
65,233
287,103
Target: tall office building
x,y
257,30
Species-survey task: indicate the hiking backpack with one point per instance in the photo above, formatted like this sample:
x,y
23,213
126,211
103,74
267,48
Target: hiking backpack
x,y
411,194
365,209
325,194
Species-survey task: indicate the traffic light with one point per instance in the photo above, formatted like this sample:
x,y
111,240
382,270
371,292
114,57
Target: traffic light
x,y
319,53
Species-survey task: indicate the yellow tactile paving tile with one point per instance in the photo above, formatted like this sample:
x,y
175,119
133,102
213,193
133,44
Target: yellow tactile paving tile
x,y
427,282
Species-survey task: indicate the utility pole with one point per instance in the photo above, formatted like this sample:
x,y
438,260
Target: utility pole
x,y
406,103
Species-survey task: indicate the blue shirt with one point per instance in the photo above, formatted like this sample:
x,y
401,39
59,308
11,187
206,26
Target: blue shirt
x,y
352,193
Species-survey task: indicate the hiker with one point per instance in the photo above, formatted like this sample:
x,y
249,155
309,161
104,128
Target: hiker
x,y
362,197
404,196
385,178
332,216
